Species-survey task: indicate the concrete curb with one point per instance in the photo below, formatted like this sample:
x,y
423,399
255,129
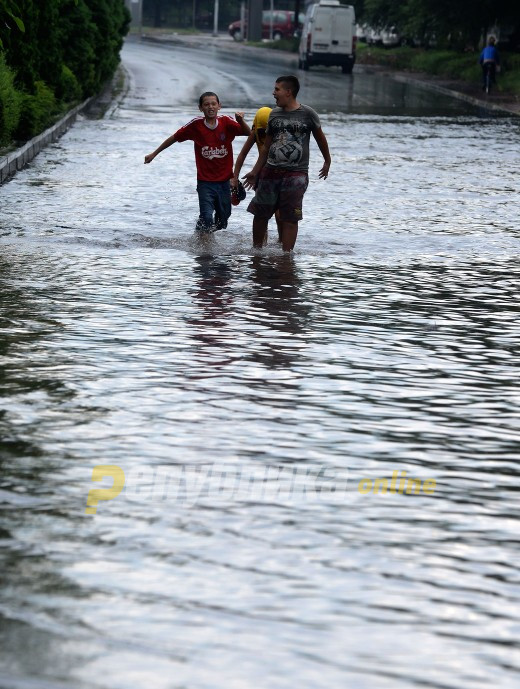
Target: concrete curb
x,y
458,94
432,86
11,163
16,160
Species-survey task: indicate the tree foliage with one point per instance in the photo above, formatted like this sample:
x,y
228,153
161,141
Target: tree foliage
x,y
456,23
9,15
55,51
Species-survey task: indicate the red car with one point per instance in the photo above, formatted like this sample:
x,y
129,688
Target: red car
x,y
283,25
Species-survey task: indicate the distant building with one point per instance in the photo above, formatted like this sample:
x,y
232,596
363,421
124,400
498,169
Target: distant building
x,y
135,8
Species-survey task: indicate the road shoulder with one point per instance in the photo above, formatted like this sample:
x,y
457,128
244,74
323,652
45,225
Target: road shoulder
x,y
107,99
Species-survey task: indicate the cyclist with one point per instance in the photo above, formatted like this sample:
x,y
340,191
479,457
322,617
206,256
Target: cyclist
x,y
489,61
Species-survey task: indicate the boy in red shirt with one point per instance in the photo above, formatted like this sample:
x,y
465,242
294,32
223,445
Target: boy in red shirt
x,y
212,135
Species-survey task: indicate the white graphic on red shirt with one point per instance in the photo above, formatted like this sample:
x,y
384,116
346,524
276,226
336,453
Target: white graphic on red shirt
x,y
211,152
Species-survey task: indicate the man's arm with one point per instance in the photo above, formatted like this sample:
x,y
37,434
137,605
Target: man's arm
x,y
165,144
241,157
250,178
323,145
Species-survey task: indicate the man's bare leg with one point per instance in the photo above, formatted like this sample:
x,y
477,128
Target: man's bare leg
x,y
259,231
278,226
289,234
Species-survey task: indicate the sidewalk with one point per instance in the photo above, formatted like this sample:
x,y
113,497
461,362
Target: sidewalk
x,y
471,93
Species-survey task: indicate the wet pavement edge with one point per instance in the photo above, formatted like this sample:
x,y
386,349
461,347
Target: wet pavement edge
x,y
110,95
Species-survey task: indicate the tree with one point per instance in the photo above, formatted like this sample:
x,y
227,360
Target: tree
x,y
9,15
455,23
55,51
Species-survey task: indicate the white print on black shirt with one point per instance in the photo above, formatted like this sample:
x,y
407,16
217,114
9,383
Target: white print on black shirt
x,y
210,152
288,140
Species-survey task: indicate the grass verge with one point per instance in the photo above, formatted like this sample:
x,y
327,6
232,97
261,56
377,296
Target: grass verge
x,y
443,63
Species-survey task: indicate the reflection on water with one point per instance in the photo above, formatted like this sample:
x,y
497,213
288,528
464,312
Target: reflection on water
x,y
386,342
277,303
212,297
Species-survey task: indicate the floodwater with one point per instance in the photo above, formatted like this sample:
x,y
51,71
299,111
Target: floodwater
x,y
385,344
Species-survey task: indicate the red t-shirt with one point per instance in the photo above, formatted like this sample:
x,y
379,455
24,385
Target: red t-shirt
x,y
213,149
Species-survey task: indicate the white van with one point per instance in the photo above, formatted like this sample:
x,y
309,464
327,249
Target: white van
x,y
329,36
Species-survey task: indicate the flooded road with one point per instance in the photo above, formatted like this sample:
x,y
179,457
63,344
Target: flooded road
x,y
387,343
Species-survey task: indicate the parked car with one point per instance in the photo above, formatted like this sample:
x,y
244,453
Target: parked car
x,y
373,36
428,41
283,25
362,31
389,38
329,36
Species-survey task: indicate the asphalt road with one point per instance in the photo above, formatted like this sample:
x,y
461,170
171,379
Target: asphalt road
x,y
384,345
169,74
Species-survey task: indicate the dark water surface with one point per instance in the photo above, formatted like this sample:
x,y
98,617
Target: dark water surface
x,y
385,343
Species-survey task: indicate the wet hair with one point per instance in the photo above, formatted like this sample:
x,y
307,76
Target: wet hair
x,y
205,95
291,83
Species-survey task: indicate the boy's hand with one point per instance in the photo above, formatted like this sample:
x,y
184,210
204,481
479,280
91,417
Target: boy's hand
x,y
250,180
239,117
149,158
234,182
324,172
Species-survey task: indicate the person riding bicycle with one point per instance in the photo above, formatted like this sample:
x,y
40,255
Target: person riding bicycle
x,y
489,60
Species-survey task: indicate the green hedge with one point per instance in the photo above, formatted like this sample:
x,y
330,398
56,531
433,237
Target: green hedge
x,y
65,52
10,103
69,89
38,111
509,78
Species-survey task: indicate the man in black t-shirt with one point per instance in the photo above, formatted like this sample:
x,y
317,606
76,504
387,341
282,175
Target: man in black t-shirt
x,y
280,175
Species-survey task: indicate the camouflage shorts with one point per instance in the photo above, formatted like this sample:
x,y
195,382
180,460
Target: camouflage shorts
x,y
279,189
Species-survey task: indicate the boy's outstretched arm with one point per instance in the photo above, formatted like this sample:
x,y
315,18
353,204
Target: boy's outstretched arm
x,y
323,145
246,129
165,144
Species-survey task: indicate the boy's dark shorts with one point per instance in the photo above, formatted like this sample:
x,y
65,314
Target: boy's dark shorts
x,y
279,189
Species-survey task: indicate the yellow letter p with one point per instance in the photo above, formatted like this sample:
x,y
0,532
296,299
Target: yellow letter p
x,y
97,494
